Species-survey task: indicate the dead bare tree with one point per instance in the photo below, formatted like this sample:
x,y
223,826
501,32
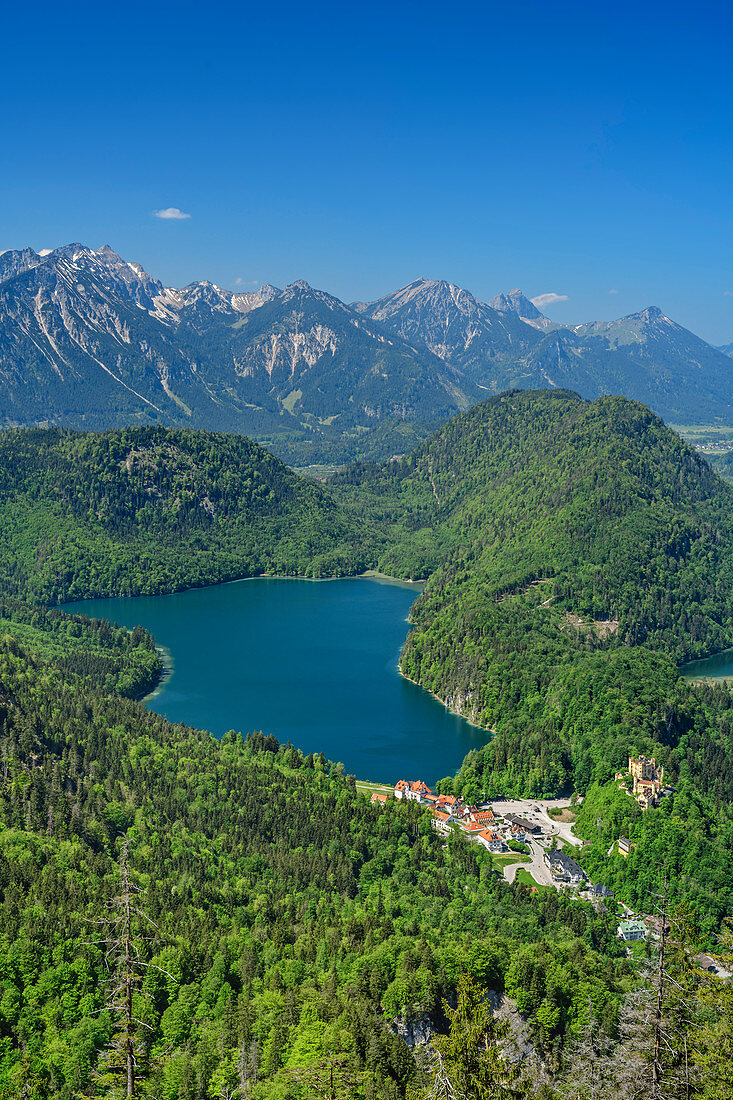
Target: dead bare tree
x,y
654,1059
248,1067
590,1071
127,929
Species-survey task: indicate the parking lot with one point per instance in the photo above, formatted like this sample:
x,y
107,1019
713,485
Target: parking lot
x,y
536,812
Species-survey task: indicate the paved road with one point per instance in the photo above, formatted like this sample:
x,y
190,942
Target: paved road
x,y
535,810
538,869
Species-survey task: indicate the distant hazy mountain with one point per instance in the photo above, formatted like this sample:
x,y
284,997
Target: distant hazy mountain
x,y
471,336
516,303
727,349
88,339
502,346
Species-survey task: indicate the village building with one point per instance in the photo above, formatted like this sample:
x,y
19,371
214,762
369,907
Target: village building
x,y
624,846
491,840
418,791
598,890
483,817
446,801
563,868
632,930
441,821
528,826
413,792
378,796
713,965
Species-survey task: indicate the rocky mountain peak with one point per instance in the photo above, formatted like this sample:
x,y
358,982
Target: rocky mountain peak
x,y
516,302
651,314
253,299
423,296
107,254
14,262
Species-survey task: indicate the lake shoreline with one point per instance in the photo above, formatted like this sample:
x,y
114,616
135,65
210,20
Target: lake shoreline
x,y
457,713
167,669
316,665
703,677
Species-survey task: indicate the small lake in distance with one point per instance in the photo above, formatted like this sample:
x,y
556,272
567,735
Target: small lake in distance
x,y
717,667
312,662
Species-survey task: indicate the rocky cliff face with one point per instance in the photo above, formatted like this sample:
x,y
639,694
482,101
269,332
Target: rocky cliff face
x,y
417,1031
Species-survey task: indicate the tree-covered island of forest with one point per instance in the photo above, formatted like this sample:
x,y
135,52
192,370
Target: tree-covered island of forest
x,y
191,918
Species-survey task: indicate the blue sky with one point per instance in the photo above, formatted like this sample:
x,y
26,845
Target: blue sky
x,y
577,150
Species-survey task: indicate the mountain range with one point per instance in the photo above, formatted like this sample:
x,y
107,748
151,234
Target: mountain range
x,y
89,340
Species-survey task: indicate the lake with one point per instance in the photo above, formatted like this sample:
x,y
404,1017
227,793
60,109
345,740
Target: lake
x,y
717,667
312,662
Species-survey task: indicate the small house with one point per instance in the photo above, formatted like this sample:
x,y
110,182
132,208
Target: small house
x,y
630,930
441,821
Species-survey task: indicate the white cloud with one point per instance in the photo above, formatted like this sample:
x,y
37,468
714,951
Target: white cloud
x,y
239,281
613,292
548,299
45,252
728,293
171,212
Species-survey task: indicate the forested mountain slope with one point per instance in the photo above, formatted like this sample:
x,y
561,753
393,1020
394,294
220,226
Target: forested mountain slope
x,y
575,550
145,510
280,921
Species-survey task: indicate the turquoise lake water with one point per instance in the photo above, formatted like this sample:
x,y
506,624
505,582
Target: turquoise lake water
x,y
717,667
313,662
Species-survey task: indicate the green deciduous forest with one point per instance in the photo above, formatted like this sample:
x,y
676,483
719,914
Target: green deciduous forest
x,y
230,918
145,510
290,919
576,551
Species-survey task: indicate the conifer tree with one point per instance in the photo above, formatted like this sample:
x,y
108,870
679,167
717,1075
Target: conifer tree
x,y
470,1062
